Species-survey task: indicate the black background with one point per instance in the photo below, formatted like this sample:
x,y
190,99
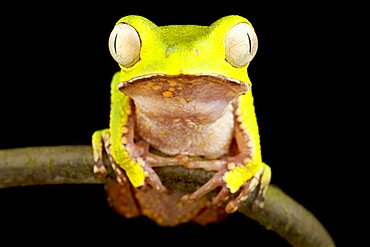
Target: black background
x,y
56,71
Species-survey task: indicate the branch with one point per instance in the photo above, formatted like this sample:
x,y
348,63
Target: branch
x,y
73,165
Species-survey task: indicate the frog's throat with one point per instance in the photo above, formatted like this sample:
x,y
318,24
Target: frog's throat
x,y
199,98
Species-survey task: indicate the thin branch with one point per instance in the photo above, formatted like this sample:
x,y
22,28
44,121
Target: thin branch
x,y
73,165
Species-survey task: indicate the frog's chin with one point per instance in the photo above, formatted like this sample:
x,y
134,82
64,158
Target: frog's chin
x,y
200,98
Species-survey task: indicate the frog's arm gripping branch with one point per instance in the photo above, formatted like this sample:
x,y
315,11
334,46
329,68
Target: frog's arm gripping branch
x,y
74,165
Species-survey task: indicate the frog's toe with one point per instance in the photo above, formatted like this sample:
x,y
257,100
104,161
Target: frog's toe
x,y
120,173
213,183
244,193
264,181
99,169
151,178
154,181
221,197
259,182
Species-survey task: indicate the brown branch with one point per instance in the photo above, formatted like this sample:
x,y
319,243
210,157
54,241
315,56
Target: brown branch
x,y
73,165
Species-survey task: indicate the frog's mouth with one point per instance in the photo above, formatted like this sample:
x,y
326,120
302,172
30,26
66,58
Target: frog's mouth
x,y
196,97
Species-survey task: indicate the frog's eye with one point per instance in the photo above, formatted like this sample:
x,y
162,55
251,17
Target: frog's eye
x,y
240,45
125,44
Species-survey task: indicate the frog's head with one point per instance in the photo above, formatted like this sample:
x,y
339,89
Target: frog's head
x,y
183,70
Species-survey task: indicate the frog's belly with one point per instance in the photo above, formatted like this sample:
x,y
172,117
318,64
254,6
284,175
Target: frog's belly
x,y
183,136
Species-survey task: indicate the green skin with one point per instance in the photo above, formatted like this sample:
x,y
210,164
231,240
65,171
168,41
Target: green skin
x,y
183,91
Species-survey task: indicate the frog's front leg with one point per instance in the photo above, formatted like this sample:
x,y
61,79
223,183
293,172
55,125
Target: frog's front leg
x,y
101,142
129,160
241,172
259,181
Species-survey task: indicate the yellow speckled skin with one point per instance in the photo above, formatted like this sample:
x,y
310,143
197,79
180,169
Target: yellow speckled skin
x,y
188,50
236,177
118,118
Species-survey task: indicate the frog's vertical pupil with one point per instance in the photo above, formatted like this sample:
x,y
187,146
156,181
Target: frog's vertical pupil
x,y
115,43
250,43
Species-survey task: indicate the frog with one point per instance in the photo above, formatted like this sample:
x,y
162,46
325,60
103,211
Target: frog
x,y
183,97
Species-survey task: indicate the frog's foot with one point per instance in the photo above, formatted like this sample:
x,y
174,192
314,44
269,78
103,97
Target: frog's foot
x,y
121,177
99,169
138,153
260,181
264,182
99,138
151,178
